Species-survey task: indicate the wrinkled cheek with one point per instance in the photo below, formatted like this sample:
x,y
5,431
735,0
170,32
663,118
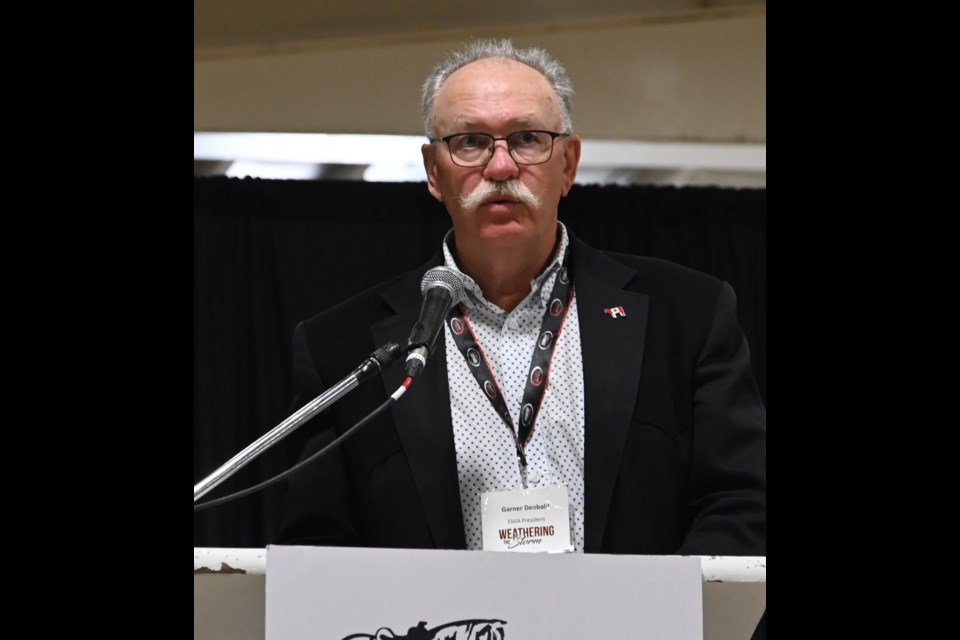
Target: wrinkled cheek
x,y
458,191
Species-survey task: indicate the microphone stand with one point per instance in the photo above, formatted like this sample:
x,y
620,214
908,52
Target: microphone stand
x,y
373,365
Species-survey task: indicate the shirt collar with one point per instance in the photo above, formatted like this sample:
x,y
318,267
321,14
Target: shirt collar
x,y
537,285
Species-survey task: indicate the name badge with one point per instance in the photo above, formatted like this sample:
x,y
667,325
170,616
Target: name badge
x,y
526,520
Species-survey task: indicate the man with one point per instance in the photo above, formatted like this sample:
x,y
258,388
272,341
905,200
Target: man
x,y
642,408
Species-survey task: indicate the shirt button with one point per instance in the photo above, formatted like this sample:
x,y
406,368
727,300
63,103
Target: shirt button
x,y
512,323
534,477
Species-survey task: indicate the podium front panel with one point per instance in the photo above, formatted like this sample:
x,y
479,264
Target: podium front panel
x,y
329,593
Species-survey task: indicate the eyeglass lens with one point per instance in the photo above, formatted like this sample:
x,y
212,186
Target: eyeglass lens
x,y
526,147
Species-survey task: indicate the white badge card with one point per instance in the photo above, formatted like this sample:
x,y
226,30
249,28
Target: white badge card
x,y
527,520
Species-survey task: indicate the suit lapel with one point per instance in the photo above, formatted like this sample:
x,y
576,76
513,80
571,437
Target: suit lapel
x,y
422,416
612,360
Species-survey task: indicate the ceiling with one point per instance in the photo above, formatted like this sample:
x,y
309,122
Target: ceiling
x,y
256,24
667,72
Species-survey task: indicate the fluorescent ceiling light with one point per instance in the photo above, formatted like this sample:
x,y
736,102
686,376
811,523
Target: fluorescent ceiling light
x,y
398,158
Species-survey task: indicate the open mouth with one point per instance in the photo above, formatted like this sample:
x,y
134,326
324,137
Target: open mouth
x,y
500,200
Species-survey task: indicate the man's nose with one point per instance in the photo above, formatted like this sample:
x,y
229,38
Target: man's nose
x,y
502,165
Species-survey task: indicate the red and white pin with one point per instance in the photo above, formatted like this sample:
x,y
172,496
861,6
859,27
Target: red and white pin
x,y
615,312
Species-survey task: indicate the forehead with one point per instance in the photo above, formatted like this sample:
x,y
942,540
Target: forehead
x,y
496,92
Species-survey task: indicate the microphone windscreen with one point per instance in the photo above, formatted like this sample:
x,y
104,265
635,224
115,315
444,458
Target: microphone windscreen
x,y
447,278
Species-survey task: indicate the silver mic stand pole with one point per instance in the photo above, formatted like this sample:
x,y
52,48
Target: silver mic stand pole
x,y
373,365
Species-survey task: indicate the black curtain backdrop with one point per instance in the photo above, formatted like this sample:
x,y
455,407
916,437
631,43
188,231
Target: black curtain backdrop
x,y
269,253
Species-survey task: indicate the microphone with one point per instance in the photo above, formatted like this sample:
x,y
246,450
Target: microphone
x,y
442,287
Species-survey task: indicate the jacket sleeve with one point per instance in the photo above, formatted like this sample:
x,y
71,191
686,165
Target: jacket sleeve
x,y
728,486
318,508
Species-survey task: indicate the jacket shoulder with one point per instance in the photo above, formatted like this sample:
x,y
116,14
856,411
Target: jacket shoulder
x,y
663,278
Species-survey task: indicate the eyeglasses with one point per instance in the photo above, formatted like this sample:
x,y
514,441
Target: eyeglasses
x,y
476,149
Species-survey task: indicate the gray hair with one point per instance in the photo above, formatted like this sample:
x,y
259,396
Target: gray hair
x,y
537,59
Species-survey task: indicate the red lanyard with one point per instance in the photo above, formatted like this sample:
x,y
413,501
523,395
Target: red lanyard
x,y
536,384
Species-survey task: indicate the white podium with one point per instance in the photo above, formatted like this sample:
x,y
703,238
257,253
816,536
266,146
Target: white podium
x,y
320,593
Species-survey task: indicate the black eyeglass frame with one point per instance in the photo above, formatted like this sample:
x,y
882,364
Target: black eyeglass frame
x,y
493,147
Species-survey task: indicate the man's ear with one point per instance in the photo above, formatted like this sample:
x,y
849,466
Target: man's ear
x,y
571,156
430,166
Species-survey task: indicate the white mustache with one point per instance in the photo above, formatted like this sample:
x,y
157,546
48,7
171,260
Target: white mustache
x,y
513,188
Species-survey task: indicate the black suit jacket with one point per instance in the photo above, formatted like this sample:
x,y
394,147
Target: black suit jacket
x,y
675,431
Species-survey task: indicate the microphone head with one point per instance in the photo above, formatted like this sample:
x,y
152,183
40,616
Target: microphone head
x,y
446,278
